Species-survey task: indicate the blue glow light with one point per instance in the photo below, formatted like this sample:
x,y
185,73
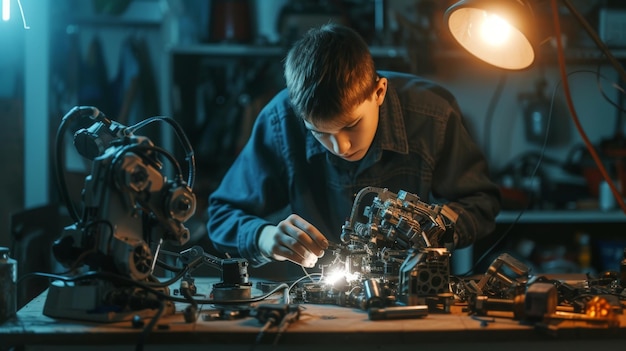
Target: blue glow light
x,y
6,10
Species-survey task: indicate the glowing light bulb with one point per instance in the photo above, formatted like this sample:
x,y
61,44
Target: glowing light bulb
x,y
6,10
495,30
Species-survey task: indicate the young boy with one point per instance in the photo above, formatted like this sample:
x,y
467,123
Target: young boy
x,y
338,127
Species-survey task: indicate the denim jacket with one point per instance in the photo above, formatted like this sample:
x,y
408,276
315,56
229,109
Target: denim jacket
x,y
421,146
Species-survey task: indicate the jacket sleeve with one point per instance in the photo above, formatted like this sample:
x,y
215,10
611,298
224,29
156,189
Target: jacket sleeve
x,y
462,177
248,193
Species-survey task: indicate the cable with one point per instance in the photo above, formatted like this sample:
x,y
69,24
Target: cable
x,y
259,336
168,267
589,30
532,179
182,138
179,274
309,276
616,86
564,78
94,114
121,279
279,315
306,273
59,164
148,328
541,156
568,96
132,147
285,323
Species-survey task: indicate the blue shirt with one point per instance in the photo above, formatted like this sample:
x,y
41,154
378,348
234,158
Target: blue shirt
x,y
421,146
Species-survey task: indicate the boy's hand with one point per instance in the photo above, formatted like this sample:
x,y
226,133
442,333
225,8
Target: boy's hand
x,y
294,239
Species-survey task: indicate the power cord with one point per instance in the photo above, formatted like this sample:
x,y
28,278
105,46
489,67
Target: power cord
x,y
144,334
278,315
284,324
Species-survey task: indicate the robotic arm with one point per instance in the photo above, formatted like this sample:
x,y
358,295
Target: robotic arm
x,y
399,221
127,203
393,249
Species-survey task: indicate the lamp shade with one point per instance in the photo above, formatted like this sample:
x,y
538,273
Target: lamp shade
x,y
499,32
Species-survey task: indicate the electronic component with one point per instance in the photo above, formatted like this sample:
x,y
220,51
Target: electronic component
x,y
397,312
506,277
234,285
128,203
539,300
393,260
393,251
398,221
275,313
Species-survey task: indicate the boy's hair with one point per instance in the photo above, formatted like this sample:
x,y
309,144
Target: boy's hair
x,y
328,72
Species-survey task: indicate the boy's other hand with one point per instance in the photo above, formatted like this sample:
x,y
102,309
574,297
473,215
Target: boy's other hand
x,y
293,239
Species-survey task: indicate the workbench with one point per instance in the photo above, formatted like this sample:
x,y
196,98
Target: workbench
x,y
319,326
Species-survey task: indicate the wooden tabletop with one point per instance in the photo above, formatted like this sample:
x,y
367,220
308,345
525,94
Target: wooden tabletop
x,y
322,325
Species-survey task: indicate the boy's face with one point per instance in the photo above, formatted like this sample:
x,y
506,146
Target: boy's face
x,y
351,136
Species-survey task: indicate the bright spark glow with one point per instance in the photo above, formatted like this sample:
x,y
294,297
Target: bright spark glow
x,y
333,277
495,30
339,274
6,10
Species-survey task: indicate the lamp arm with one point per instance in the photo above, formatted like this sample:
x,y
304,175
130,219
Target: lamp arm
x,y
596,39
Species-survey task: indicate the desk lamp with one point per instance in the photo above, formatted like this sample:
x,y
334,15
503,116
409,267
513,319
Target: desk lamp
x,y
498,32
503,34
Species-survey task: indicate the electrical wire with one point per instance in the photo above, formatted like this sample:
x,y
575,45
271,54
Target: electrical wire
x,y
182,138
168,267
59,161
308,275
281,319
179,274
132,147
621,71
565,81
603,93
287,320
568,96
261,333
148,328
542,156
95,114
532,179
149,288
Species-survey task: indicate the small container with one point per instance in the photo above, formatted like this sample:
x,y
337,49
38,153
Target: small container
x,y
8,285
606,199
